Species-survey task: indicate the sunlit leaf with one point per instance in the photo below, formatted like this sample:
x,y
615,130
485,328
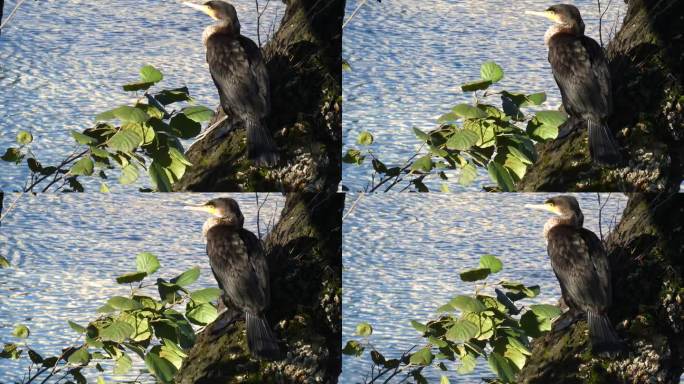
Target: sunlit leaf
x,y
198,113
205,295
125,141
83,167
501,367
123,303
161,368
467,303
24,137
462,330
159,177
76,327
423,357
364,329
186,278
150,74
468,111
423,164
80,356
492,262
146,262
545,311
500,176
462,140
365,138
202,314
117,331
21,331
491,71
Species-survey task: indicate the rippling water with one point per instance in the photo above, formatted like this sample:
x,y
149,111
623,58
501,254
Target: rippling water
x,y
66,251
63,62
402,255
409,58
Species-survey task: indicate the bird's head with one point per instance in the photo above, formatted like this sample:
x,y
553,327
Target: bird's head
x,y
564,15
223,208
218,10
564,206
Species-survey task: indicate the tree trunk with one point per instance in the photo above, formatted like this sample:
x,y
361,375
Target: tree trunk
x,y
304,251
645,62
645,250
304,63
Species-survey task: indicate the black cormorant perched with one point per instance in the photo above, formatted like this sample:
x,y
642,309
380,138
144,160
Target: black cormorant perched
x,y
581,72
240,268
240,75
582,269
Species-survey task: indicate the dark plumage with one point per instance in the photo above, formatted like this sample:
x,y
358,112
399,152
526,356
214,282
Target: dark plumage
x,y
582,269
241,270
581,72
241,78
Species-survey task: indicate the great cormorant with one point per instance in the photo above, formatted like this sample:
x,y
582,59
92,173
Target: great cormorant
x,y
581,72
241,270
240,75
582,269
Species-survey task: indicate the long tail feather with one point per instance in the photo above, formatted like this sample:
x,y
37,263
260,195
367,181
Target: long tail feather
x,y
262,344
603,147
603,336
260,145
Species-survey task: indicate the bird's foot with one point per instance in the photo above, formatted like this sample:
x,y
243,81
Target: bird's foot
x,y
567,128
222,322
566,319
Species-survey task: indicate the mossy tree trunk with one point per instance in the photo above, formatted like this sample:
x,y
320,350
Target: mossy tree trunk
x,y
645,251
304,251
645,61
304,64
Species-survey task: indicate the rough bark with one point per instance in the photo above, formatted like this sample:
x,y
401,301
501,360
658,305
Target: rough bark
x,y
304,251
645,62
304,64
645,250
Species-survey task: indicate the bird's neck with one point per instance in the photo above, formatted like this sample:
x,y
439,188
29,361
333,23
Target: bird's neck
x,y
214,221
558,29
221,26
571,220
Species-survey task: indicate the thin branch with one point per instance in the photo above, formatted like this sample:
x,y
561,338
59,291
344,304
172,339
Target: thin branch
x,y
353,206
358,7
12,14
9,209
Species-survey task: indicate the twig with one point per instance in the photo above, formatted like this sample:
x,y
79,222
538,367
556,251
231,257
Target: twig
x,y
358,7
12,14
9,209
353,206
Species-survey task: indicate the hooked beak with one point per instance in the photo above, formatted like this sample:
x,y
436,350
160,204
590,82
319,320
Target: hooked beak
x,y
202,8
543,207
546,14
201,208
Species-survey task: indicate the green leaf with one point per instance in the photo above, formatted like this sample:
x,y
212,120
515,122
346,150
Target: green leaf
x,y
462,330
4,263
541,132
468,174
422,357
123,365
150,74
186,278
12,155
468,362
205,295
491,71
447,117
129,174
117,331
501,367
161,368
500,176
422,136
533,325
170,96
467,303
24,137
146,262
137,86
76,327
160,179
418,326
475,274
444,380
123,303
202,314
21,331
462,140
519,154
353,348
364,329
83,167
80,357
492,262
35,357
365,138
468,111
125,140
101,380
546,311
535,99
551,118
423,164
132,277
104,188
124,113
476,85
198,113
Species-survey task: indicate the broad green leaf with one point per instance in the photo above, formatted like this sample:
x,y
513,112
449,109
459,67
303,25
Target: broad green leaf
x,y
186,278
129,174
468,362
422,357
468,111
551,118
12,155
124,113
444,380
468,174
170,96
420,134
447,117
4,263
161,368
80,356
117,331
515,166
99,152
132,277
123,365
492,262
125,140
202,314
364,329
82,138
146,262
423,164
546,311
353,156
21,331
205,295
535,99
150,74
462,330
365,138
76,327
541,131
501,367
83,167
137,86
353,348
519,154
515,343
515,357
475,274
198,113
467,303
159,177
418,326
24,137
123,303
184,127
500,176
101,380
144,130
462,140
35,357
533,325
104,188
491,71
476,85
